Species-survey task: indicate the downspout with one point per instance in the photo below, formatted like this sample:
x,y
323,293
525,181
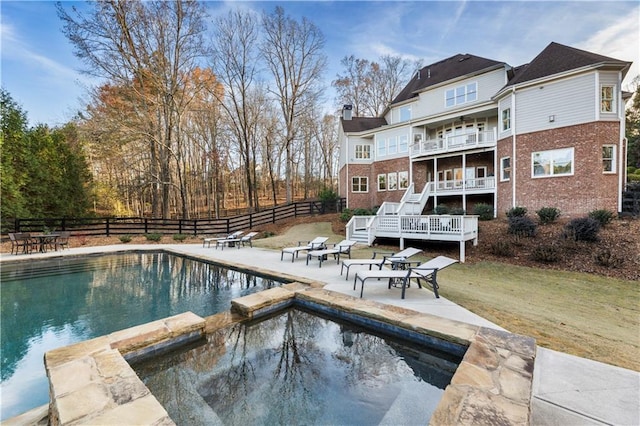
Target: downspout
x,y
513,147
622,156
346,161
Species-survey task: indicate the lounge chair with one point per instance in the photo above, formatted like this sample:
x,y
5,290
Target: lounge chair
x,y
343,247
236,242
208,241
388,259
426,271
318,243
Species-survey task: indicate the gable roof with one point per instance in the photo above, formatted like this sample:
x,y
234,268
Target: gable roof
x,y
557,58
361,124
456,66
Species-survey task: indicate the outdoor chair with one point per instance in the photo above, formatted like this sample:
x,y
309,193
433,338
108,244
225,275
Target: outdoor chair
x,y
318,243
62,240
388,259
426,272
21,241
210,240
341,248
236,242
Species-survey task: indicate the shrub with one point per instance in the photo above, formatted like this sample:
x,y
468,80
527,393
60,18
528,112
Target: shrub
x,y
441,209
604,217
545,253
522,226
484,211
363,212
153,237
329,199
180,237
582,229
606,258
501,248
346,215
125,238
633,178
458,211
517,212
548,214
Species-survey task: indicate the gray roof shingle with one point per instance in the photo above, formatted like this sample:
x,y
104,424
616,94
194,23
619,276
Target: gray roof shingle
x,y
557,58
439,72
361,124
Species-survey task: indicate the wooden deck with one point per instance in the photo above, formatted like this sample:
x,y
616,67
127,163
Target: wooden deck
x,y
432,227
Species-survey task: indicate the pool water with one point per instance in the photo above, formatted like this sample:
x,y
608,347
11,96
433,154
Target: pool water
x,y
299,368
53,303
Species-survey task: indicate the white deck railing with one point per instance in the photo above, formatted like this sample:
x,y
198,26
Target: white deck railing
x,y
417,227
451,143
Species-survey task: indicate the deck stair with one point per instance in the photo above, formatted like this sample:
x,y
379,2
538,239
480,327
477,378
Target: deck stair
x,y
361,236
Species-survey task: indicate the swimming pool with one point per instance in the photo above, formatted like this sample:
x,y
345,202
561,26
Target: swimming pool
x,y
299,367
52,303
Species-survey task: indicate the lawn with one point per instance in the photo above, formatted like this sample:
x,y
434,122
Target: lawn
x,y
587,315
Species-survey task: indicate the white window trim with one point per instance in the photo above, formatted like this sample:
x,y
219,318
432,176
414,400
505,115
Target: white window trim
x,y
392,178
386,185
363,152
613,99
502,123
552,175
403,175
381,143
403,146
613,160
455,97
503,169
360,178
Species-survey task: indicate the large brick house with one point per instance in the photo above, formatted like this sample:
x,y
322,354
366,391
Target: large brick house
x,y
469,129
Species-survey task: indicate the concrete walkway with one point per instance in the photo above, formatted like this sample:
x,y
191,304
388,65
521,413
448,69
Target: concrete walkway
x,y
567,390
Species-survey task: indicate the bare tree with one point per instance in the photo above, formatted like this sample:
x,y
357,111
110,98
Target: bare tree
x,y
148,47
293,52
371,86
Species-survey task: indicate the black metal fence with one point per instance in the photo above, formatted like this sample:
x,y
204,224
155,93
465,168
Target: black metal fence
x,y
113,226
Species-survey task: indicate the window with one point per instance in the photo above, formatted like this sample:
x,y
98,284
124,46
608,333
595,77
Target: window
x,y
363,152
557,162
381,145
405,113
403,178
403,144
393,181
609,158
359,184
461,95
505,168
506,119
607,99
393,146
382,182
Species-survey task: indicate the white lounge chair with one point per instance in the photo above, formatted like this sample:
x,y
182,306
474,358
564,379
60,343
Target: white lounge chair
x,y
318,243
426,271
343,247
388,259
210,240
236,242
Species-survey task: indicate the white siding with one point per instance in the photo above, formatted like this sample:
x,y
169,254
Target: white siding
x,y
557,104
353,141
502,105
392,133
610,79
432,101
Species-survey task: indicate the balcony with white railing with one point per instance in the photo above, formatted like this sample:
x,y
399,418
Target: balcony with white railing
x,y
452,143
458,186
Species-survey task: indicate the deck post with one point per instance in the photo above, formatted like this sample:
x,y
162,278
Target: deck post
x,y
462,247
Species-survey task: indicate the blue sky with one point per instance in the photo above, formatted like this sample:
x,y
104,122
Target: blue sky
x,y
41,74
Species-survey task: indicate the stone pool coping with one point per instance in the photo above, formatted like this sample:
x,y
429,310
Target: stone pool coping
x,y
91,382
